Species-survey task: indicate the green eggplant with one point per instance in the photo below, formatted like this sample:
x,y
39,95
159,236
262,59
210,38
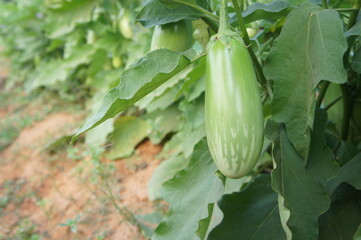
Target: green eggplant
x,y
176,36
233,108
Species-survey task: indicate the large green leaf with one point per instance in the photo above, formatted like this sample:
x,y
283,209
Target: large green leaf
x,y
98,136
153,70
163,122
63,20
165,171
309,49
47,74
155,13
355,30
184,141
191,195
358,234
257,11
345,152
165,100
343,218
302,187
349,173
251,214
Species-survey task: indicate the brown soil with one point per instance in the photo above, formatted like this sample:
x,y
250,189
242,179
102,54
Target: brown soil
x,y
49,190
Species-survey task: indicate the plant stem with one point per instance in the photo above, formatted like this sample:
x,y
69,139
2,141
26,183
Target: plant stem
x,y
224,18
210,23
346,10
347,97
241,23
337,4
323,88
324,4
333,103
347,107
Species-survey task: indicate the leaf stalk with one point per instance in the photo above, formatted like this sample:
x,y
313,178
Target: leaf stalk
x,y
347,97
323,90
324,4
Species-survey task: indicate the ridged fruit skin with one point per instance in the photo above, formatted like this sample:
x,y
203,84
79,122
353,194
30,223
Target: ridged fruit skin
x,y
233,108
175,36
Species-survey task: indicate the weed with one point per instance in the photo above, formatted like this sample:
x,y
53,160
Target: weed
x,y
9,192
72,224
42,203
26,231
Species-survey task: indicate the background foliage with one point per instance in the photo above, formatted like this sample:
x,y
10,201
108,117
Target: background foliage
x,y
97,52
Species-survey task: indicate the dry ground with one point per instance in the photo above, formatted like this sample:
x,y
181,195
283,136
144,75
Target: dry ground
x,y
49,189
73,193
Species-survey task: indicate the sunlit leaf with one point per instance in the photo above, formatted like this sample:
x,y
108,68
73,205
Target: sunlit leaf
x,y
153,70
258,10
155,13
63,20
191,195
128,132
165,171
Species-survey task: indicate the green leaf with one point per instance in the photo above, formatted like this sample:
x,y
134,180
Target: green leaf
x,y
343,218
235,185
109,41
168,86
250,214
174,3
98,136
47,74
345,152
54,71
193,112
358,234
128,132
291,178
149,222
153,70
349,173
306,52
184,141
59,143
63,20
165,171
163,122
191,195
257,11
155,13
165,100
194,84
354,31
